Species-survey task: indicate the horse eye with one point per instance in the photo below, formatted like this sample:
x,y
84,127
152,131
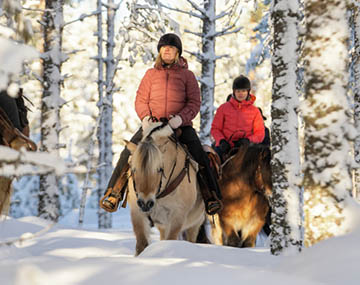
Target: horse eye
x,y
160,170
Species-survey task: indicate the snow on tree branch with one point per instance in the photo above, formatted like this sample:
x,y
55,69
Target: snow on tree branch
x,y
18,163
12,57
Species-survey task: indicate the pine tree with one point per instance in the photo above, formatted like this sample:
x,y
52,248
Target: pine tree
x,y
286,209
49,205
327,177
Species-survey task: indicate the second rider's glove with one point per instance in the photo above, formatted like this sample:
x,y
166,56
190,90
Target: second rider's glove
x,y
224,146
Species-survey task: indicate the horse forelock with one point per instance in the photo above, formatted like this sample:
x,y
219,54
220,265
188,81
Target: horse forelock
x,y
146,157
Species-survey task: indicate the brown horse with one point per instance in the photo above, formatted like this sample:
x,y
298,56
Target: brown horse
x,y
163,188
246,185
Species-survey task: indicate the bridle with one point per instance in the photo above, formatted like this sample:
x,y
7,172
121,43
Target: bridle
x,y
170,186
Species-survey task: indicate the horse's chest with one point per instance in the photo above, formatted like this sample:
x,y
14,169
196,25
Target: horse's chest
x,y
160,215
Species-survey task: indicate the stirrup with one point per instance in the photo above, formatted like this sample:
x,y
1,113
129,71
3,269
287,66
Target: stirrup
x,y
213,206
110,201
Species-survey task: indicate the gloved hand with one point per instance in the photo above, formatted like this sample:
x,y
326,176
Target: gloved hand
x,y
242,141
175,122
224,146
145,122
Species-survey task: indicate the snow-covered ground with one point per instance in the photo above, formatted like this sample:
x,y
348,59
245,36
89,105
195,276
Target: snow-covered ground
x,y
67,254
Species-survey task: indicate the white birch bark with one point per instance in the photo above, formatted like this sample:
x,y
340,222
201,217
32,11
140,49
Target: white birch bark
x,y
49,206
207,71
356,91
286,206
328,127
105,107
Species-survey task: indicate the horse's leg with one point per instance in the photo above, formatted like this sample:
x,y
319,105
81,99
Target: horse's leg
x,y
249,241
174,228
162,232
5,194
234,240
232,237
216,230
141,229
192,233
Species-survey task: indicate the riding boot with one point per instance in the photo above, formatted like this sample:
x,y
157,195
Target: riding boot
x,y
115,194
210,191
116,189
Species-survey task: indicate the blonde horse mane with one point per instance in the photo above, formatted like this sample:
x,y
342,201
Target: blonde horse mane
x,y
147,156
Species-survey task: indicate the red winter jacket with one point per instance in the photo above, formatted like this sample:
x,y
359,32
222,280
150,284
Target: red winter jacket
x,y
169,91
235,120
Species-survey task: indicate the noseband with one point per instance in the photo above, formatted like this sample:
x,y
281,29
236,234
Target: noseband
x,y
170,187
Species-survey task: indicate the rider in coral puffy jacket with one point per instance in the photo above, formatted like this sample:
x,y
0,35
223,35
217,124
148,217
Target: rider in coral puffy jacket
x,y
238,120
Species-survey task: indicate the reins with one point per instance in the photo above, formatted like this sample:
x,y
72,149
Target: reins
x,y
170,186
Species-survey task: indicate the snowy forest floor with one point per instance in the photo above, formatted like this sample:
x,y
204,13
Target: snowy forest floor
x,y
67,254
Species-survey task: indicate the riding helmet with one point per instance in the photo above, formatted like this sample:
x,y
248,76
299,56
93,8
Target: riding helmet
x,y
170,39
241,82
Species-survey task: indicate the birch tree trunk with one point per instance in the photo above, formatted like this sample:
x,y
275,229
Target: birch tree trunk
x,y
327,176
356,90
49,205
105,110
207,72
286,206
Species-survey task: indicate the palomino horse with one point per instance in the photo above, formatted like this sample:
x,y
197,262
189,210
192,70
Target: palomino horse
x,y
163,188
246,186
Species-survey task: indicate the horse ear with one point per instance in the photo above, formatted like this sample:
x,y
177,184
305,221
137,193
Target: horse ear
x,y
130,146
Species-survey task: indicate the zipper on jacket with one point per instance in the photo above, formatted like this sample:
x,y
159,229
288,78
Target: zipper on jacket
x,y
166,91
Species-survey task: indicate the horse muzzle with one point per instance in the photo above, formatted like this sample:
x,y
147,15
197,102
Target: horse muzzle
x,y
145,206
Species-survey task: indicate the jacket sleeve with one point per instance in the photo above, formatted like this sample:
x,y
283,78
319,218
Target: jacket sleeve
x,y
143,97
193,101
217,125
258,134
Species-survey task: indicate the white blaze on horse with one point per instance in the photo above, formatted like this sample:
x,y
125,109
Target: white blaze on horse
x,y
163,188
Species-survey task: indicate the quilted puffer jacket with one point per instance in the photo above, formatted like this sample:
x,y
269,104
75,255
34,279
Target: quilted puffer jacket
x,y
166,91
235,120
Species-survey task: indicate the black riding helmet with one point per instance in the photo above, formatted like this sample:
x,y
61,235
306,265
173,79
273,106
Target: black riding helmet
x,y
242,82
170,39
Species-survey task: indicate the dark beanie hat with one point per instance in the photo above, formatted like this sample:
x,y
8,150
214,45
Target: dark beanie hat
x,y
170,40
241,82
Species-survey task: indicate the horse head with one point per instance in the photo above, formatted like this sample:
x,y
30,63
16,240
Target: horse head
x,y
147,164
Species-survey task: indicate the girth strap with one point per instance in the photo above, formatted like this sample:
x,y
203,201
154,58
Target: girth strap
x,y
175,183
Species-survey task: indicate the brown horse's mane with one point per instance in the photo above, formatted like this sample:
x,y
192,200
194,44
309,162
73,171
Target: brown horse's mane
x,y
245,162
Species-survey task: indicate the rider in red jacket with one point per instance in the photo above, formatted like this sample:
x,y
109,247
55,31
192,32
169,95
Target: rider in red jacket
x,y
238,120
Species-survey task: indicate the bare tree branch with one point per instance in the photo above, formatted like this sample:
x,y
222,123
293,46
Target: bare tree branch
x,y
82,17
183,11
196,7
